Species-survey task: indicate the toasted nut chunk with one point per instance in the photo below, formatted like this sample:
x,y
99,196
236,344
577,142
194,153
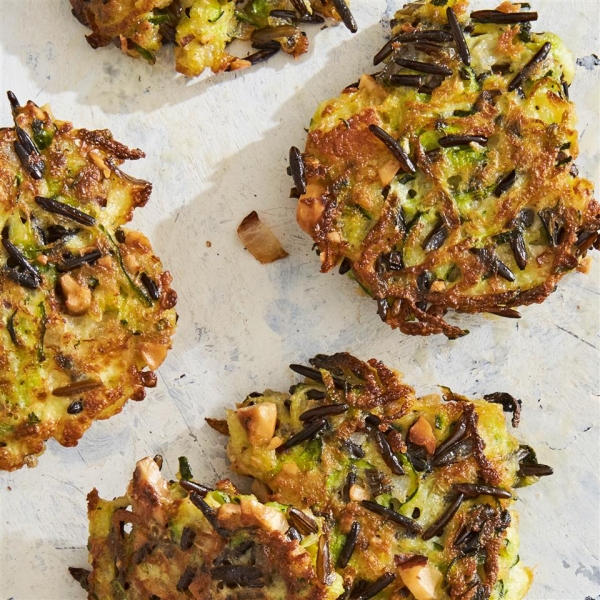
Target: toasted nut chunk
x,y
153,354
358,493
259,421
78,298
267,517
421,434
310,208
422,580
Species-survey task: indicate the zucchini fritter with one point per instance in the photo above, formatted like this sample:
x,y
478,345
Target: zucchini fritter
x,y
417,492
186,541
201,30
446,181
85,305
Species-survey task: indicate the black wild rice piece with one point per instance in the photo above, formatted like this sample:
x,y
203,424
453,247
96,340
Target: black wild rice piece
x,y
423,67
10,325
383,307
505,183
307,433
392,261
458,432
323,561
345,266
79,575
509,404
315,395
461,140
520,78
75,407
315,375
349,545
298,169
459,451
459,37
397,80
517,244
390,459
293,534
424,281
60,208
534,470
158,459
504,271
347,18
376,481
262,55
472,490
244,576
552,224
14,103
77,387
187,538
31,272
502,18
78,261
196,488
151,286
283,14
377,586
437,528
372,420
209,514
394,147
26,141
350,481
32,163
431,35
57,232
186,579
323,411
392,515
355,450
436,238
302,522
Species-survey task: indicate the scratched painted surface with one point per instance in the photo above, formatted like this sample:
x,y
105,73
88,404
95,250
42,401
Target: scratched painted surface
x,y
217,150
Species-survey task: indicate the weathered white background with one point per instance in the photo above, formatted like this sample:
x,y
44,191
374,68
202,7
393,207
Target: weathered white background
x,y
216,150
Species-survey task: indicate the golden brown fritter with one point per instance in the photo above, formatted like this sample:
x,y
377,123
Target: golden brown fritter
x,y
418,492
173,540
201,30
86,309
447,181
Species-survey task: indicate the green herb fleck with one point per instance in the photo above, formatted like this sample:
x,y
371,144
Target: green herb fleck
x,y
41,136
525,33
185,472
159,19
145,54
33,419
438,421
215,20
439,2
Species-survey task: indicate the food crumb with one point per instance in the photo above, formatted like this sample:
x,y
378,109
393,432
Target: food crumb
x,y
208,243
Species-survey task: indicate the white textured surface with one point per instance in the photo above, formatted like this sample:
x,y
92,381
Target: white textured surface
x,y
217,150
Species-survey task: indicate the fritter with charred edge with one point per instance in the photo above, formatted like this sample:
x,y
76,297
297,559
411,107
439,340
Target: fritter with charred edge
x,y
86,308
417,491
173,540
201,30
447,181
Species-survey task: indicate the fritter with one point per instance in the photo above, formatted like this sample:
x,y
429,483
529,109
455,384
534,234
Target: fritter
x,y
201,30
446,180
417,492
86,311
167,540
